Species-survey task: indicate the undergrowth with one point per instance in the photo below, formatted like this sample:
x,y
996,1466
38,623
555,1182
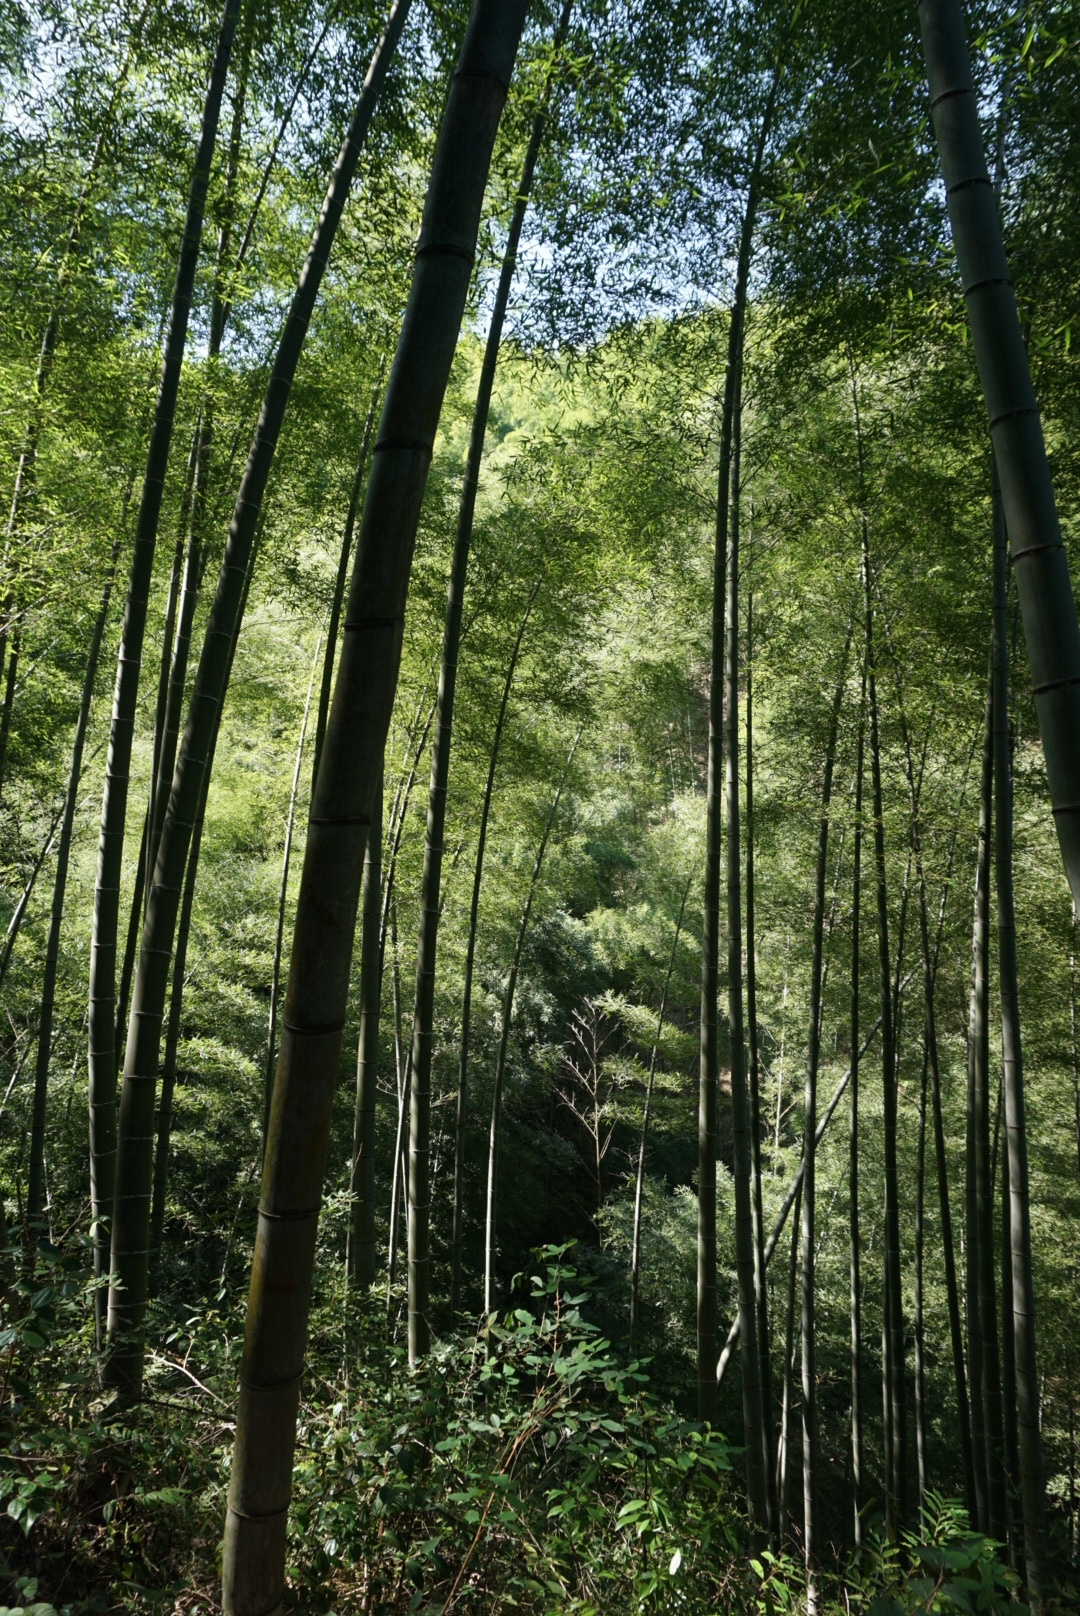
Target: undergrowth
x,y
523,1468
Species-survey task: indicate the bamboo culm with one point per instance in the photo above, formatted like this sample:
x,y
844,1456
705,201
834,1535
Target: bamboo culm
x,y
761,1289
461,1114
794,1190
362,1178
128,1261
349,769
806,1267
709,1067
753,1418
342,578
987,1386
639,1181
504,1041
1029,1442
963,1412
164,1118
283,893
1030,513
423,1027
786,1406
917,1316
35,1192
855,1238
894,1414
103,943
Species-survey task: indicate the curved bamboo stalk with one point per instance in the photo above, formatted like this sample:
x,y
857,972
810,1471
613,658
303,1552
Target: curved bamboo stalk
x,y
260,1481
423,1027
127,1294
19,915
504,1039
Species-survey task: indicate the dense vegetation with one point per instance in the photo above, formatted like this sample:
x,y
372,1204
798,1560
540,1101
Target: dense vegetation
x,y
722,985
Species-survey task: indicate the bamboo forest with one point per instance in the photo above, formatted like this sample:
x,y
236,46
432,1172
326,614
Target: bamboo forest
x,y
539,807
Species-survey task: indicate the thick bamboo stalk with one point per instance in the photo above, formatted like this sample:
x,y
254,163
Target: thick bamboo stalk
x,y
1029,1442
1072,1031
461,1113
35,1192
423,1028
504,1040
260,1483
103,943
130,1233
1042,571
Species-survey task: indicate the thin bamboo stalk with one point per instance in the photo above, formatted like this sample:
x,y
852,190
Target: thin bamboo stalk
x,y
639,1181
504,1039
